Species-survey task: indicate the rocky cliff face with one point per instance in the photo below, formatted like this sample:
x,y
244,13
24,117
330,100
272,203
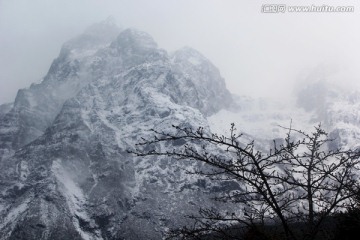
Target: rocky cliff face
x,y
65,170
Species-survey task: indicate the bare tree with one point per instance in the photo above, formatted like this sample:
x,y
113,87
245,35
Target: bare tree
x,y
296,184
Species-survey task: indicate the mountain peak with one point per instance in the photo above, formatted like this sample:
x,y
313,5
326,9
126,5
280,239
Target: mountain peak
x,y
98,34
134,38
104,27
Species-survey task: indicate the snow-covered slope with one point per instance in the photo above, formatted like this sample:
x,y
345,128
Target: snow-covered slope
x,y
336,109
261,118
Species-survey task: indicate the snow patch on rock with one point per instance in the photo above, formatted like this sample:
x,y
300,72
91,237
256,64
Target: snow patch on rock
x,y
76,201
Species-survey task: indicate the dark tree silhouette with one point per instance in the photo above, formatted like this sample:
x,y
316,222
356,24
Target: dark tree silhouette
x,y
290,190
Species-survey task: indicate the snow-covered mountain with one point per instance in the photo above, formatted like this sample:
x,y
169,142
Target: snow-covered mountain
x,y
65,172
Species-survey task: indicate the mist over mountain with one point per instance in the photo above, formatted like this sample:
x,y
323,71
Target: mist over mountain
x,y
65,170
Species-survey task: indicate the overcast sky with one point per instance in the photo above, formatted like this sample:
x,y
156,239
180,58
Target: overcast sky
x,y
258,54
